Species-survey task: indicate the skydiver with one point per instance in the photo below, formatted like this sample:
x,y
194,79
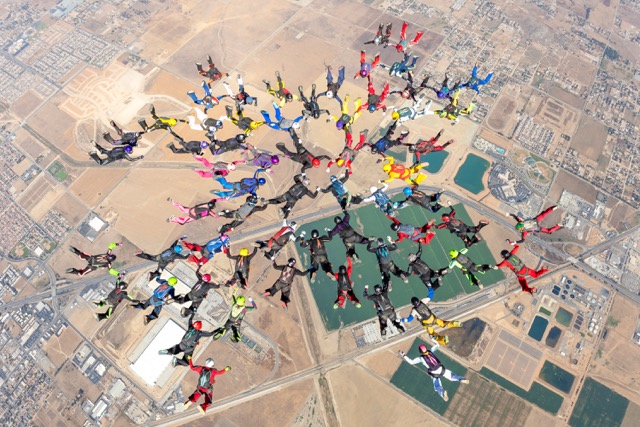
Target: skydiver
x,y
199,211
333,87
399,171
212,73
398,68
386,142
125,138
114,298
380,38
282,93
381,199
284,282
532,225
460,229
474,82
236,189
420,235
245,124
216,169
410,91
345,121
196,294
339,190
385,263
242,97
403,44
188,147
414,112
427,319
349,152
318,252
279,240
237,142
311,107
453,112
261,159
444,91
296,192
202,122
94,262
281,123
239,309
188,343
432,279
302,155
426,146
420,198
515,264
208,100
242,266
208,250
205,383
240,215
348,235
345,287
468,267
162,294
164,258
120,152
384,309
435,369
166,123
375,102
365,67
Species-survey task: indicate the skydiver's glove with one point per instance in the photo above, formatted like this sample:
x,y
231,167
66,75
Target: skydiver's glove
x,y
327,229
389,239
113,245
401,354
304,233
189,357
227,368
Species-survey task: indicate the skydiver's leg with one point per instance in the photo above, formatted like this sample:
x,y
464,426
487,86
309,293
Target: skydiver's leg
x,y
403,31
193,97
485,80
550,230
225,184
207,89
545,212
278,112
416,39
525,285
266,116
375,62
340,76
180,207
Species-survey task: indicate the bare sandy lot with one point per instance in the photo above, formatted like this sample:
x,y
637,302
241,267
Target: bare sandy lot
x,y
71,380
501,113
71,208
40,197
53,124
96,183
590,137
569,182
61,348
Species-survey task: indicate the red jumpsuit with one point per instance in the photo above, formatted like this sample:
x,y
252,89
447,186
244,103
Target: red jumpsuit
x,y
516,265
406,231
345,287
206,380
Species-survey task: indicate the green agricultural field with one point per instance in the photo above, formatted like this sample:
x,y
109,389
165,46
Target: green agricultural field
x,y
598,406
557,377
564,317
537,394
371,222
414,380
58,171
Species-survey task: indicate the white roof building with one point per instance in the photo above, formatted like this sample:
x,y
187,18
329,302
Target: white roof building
x,y
149,365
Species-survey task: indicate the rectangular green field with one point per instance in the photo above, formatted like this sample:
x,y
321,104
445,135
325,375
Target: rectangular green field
x,y
537,394
370,222
557,377
414,380
598,406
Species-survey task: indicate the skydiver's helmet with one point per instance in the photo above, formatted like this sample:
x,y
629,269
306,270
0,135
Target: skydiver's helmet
x,y
315,162
395,115
240,301
412,148
405,94
373,189
289,97
254,125
329,94
291,262
453,253
363,73
340,124
241,137
415,301
316,114
342,269
209,363
218,124
231,166
381,241
275,160
177,249
395,226
244,252
445,218
293,225
423,349
252,198
377,289
386,168
128,149
407,191
519,226
399,48
197,325
296,125
315,234
111,257
504,253
204,144
262,181
371,108
211,204
306,181
172,281
340,162
333,178
413,257
206,277
337,220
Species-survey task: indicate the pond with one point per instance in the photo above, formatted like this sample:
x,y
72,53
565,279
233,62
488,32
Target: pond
x,y
564,317
471,172
538,327
553,337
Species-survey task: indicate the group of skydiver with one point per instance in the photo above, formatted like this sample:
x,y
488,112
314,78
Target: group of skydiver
x,y
164,293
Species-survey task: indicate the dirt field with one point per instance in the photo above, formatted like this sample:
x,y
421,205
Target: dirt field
x,y
53,124
569,182
589,139
71,208
71,380
40,197
501,113
59,349
362,400
619,368
96,183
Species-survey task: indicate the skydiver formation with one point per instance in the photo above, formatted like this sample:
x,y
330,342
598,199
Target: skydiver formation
x,y
351,234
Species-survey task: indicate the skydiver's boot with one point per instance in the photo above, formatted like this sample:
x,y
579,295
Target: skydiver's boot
x,y
143,124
